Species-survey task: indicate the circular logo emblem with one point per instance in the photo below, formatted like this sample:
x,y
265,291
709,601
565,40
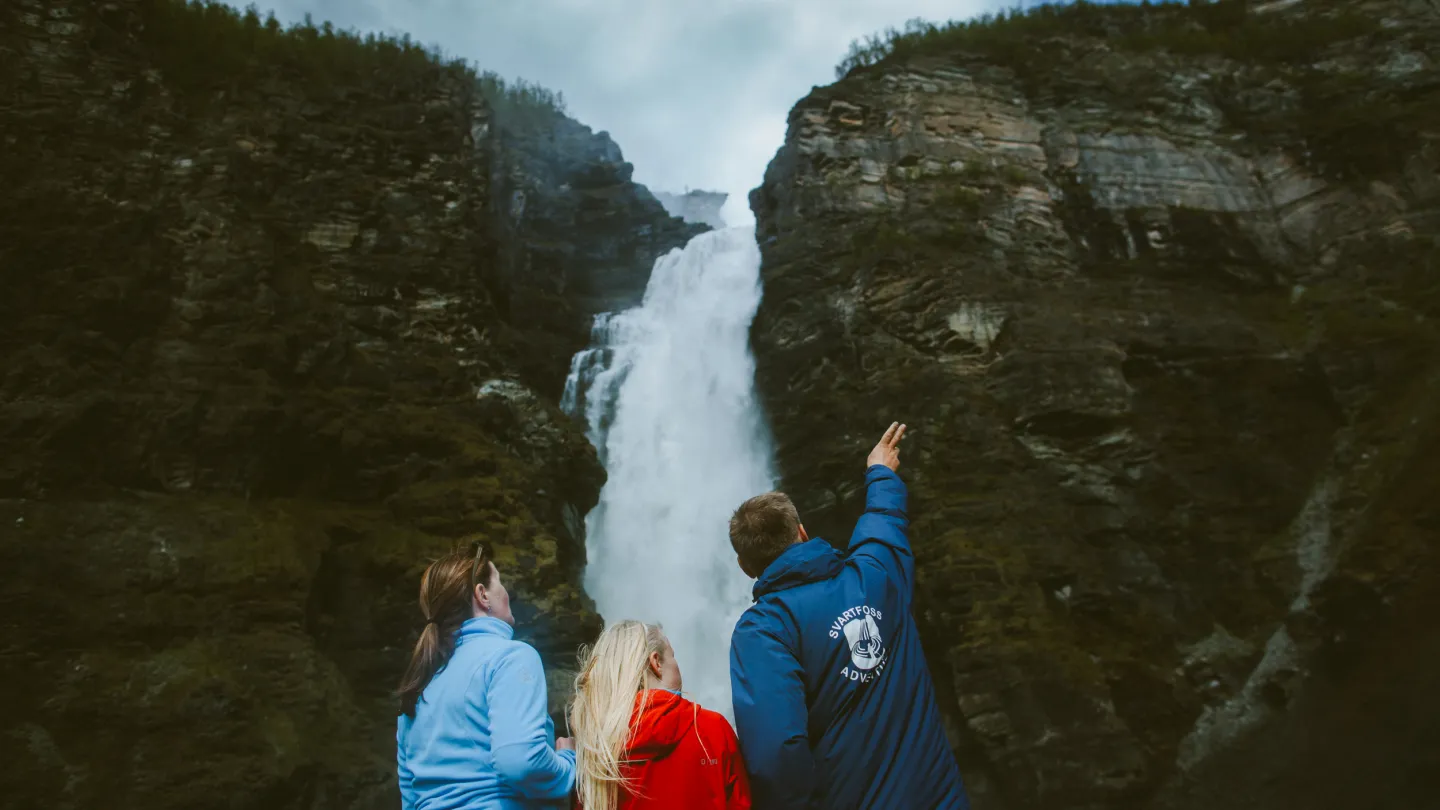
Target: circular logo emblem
x,y
866,649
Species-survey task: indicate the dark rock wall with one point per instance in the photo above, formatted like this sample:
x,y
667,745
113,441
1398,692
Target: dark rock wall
x,y
1163,323
579,237
268,342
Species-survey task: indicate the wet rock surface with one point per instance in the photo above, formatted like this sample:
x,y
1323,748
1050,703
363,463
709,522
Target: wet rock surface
x,y
1167,349
273,336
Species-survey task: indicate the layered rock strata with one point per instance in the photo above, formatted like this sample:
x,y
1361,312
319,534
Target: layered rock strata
x,y
285,314
1163,323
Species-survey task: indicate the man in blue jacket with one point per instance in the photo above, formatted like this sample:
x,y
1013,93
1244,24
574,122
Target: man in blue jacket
x,y
834,704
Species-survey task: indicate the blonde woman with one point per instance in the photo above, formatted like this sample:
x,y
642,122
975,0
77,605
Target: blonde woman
x,y
640,745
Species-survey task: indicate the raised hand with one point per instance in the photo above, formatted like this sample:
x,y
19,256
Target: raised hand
x,y
564,743
887,452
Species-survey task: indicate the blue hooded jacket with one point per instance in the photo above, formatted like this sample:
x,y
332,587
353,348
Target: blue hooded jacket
x,y
481,738
833,700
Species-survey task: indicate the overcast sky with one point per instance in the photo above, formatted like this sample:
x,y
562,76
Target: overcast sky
x,y
695,91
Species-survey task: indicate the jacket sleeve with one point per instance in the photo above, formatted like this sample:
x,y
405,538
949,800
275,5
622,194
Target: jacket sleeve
x,y
737,783
881,533
519,742
402,769
770,715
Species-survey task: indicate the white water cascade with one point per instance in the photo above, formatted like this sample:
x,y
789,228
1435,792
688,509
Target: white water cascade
x,y
667,389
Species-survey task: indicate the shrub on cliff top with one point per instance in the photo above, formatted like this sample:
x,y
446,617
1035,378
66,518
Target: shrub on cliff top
x,y
1017,37
205,47
521,105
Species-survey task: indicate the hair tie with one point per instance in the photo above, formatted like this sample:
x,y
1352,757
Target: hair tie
x,y
429,622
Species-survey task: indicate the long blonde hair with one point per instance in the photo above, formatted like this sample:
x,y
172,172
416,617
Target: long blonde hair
x,y
612,673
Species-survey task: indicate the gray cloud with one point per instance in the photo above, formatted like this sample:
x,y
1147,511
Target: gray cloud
x,y
696,92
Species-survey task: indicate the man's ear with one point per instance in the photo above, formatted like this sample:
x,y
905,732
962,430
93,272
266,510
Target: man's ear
x,y
804,536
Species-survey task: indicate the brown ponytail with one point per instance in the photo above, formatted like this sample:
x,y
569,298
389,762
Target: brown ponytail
x,y
446,595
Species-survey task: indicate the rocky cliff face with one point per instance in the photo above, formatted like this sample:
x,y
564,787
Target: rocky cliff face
x,y
580,237
1158,294
285,313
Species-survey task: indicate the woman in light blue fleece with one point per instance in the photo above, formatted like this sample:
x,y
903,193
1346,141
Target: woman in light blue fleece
x,y
474,732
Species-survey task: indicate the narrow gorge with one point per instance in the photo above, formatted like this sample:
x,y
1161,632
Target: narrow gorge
x,y
668,393
1156,289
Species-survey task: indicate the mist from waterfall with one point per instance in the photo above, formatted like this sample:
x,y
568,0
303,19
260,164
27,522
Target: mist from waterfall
x,y
667,390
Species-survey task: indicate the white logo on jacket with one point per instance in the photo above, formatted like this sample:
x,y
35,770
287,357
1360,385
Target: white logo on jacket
x,y
860,626
866,647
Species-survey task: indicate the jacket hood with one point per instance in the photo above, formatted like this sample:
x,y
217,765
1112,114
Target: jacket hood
x,y
811,561
665,722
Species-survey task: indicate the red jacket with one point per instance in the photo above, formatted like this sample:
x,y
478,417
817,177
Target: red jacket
x,y
683,757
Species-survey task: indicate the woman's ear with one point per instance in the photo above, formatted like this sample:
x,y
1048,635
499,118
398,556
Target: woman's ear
x,y
482,598
655,667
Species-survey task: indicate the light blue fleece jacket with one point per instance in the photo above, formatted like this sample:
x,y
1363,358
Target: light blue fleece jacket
x,y
481,738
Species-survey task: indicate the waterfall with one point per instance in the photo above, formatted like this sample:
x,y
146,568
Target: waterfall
x,y
667,391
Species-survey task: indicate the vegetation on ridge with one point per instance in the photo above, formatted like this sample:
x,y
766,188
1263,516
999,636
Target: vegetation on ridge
x,y
1224,27
520,103
206,47
1282,86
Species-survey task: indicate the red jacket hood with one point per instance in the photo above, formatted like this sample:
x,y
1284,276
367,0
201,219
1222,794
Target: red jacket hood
x,y
666,720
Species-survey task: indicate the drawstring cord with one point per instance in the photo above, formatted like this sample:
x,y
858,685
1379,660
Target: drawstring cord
x,y
698,738
695,724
